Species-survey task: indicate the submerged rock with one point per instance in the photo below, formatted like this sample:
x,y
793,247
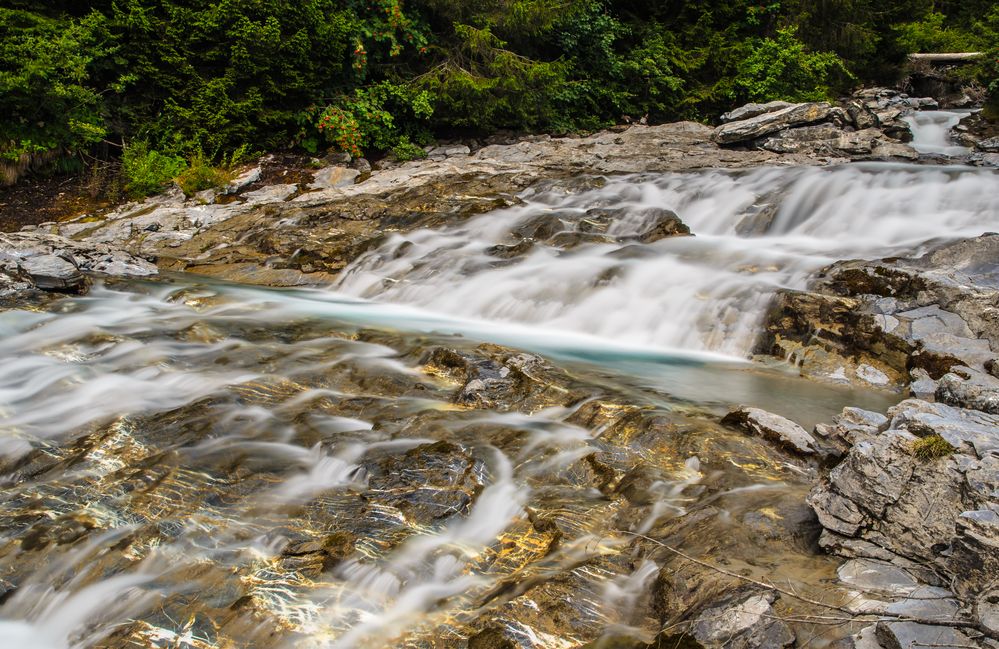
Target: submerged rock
x,y
777,429
747,624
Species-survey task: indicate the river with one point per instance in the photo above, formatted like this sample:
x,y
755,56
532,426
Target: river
x,y
465,436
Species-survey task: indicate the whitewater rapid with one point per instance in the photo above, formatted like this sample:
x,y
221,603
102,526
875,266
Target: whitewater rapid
x,y
754,232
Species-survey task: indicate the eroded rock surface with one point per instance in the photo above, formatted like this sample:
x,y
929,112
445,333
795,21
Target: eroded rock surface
x,y
889,320
35,262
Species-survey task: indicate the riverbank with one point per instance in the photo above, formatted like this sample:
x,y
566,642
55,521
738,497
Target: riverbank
x,y
367,466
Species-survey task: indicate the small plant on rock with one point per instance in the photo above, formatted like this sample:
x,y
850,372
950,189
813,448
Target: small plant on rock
x,y
931,448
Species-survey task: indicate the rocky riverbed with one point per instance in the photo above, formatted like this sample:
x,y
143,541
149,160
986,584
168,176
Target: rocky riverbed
x,y
509,423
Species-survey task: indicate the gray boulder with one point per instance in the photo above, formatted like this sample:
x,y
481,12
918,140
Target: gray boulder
x,y
748,624
753,110
968,388
756,127
775,428
34,261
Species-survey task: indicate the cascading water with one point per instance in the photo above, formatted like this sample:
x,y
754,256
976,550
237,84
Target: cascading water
x,y
754,232
197,465
932,131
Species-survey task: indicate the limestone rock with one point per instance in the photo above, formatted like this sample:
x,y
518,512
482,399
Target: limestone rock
x,y
753,110
773,427
747,624
968,388
771,122
334,177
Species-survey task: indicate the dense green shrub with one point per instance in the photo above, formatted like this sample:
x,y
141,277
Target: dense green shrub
x,y
49,101
146,171
783,68
196,79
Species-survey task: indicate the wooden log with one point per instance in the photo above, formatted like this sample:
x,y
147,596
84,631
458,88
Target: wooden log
x,y
947,57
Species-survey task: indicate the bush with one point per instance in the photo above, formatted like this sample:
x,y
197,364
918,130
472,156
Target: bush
x,y
782,68
49,101
146,171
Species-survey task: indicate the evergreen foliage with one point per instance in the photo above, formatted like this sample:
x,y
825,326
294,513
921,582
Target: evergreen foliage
x,y
196,80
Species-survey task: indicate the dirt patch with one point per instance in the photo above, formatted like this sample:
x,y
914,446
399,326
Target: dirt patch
x,y
39,200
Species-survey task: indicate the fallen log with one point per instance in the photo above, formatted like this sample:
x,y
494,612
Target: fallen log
x,y
947,57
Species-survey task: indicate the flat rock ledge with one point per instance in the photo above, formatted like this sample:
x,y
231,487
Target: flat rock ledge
x,y
34,263
305,231
865,127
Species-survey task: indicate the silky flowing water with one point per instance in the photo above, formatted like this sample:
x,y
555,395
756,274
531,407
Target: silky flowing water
x,y
448,444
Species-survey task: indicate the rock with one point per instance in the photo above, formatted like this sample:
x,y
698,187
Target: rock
x,y
334,177
968,388
32,261
975,555
803,138
773,427
990,145
52,273
866,639
755,127
248,177
747,624
888,150
923,386
448,151
877,577
753,110
361,165
910,635
665,224
987,611
862,116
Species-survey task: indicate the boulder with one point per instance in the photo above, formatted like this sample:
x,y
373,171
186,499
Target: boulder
x,y
33,261
756,127
989,145
968,388
748,623
753,110
775,428
334,177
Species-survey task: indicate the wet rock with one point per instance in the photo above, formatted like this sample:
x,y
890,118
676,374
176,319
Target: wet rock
x,y
428,483
968,388
771,122
775,428
989,145
753,110
491,638
909,635
52,273
31,261
749,623
665,224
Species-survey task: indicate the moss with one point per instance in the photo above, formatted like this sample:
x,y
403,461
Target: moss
x,y
931,448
